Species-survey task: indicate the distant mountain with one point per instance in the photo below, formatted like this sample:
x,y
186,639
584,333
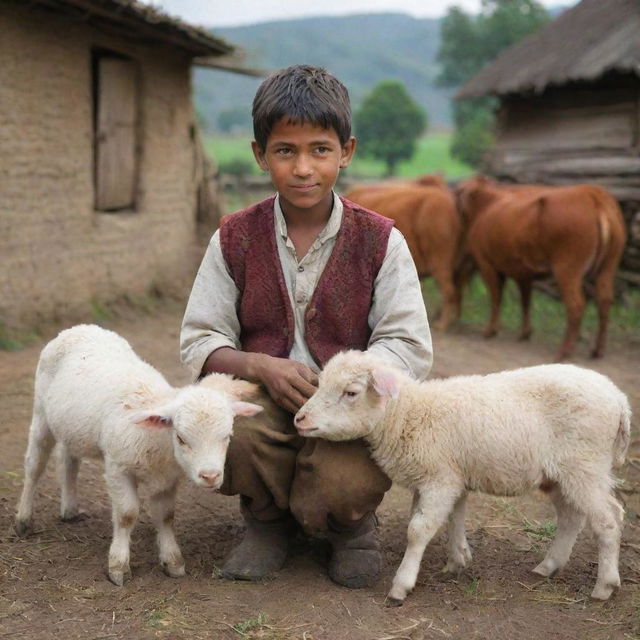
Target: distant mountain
x,y
361,50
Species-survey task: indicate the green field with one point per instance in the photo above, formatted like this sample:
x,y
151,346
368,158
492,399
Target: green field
x,y
432,155
548,315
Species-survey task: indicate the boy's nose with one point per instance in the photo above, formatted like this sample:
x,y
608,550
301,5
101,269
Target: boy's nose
x,y
302,166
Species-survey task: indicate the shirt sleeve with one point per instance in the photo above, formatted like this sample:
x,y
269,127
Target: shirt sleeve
x,y
210,320
398,317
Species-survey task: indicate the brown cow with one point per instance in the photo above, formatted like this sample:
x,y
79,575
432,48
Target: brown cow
x,y
427,218
529,231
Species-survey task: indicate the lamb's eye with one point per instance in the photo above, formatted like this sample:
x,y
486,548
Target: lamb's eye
x,y
351,394
180,440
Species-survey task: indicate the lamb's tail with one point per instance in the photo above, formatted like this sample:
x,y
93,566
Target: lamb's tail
x,y
623,437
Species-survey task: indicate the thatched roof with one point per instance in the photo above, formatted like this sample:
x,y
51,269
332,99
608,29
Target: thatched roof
x,y
129,18
582,44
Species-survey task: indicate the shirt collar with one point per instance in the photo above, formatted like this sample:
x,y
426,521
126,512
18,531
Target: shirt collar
x,y
330,230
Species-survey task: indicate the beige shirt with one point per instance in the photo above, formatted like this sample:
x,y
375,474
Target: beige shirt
x,y
397,318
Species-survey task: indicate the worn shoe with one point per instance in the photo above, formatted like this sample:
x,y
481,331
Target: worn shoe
x,y
263,549
356,559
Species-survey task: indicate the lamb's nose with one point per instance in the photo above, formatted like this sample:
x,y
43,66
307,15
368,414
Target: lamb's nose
x,y
300,418
210,477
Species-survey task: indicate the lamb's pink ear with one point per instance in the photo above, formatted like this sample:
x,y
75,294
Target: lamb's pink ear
x,y
245,409
153,420
385,382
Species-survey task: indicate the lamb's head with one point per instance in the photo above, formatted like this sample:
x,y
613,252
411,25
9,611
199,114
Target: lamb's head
x,y
351,398
201,421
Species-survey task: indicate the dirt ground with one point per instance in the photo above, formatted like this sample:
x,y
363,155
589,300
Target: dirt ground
x,y
53,584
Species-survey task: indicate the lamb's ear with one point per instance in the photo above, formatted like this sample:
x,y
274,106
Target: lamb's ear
x,y
385,382
153,419
245,409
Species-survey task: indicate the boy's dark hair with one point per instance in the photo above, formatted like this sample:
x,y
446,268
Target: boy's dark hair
x,y
303,94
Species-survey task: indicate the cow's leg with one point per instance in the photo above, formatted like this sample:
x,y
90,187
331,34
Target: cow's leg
x,y
494,282
570,282
461,276
604,300
444,277
525,287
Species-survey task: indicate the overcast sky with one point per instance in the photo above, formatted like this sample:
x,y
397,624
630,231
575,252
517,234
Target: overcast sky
x,y
213,13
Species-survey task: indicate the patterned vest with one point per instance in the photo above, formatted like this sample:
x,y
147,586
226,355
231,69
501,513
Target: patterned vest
x,y
336,316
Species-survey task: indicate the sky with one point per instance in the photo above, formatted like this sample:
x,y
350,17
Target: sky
x,y
213,13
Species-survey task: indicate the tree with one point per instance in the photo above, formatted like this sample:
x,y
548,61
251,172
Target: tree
x,y
389,123
467,44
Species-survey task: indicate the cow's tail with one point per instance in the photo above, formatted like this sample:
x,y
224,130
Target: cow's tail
x,y
605,213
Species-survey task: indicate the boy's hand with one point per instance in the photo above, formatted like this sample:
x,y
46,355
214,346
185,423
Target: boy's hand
x,y
288,382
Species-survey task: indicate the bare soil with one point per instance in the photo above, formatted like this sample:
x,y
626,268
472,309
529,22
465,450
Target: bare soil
x,y
53,584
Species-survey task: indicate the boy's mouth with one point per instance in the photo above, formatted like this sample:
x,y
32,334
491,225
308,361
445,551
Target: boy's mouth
x,y
303,187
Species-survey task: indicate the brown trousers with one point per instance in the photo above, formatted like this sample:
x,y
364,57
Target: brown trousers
x,y
276,471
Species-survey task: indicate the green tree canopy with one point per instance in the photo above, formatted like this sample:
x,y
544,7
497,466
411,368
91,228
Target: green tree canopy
x,y
467,44
389,123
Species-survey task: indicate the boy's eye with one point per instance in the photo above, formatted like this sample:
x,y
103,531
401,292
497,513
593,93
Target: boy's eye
x,y
283,152
322,149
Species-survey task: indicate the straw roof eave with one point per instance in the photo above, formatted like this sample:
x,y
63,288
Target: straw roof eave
x,y
584,43
133,18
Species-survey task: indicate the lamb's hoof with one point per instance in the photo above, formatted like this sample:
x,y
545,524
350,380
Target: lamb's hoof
x,y
72,517
173,571
604,592
545,570
118,577
453,568
23,528
393,602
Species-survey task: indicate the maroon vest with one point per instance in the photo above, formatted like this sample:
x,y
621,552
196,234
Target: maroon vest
x,y
336,316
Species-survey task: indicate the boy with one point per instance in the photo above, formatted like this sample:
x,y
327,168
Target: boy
x,y
283,286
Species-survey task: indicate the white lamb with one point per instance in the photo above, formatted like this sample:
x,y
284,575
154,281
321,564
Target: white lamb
x,y
96,398
559,428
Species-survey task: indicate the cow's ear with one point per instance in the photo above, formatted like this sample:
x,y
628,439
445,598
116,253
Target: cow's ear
x,y
385,382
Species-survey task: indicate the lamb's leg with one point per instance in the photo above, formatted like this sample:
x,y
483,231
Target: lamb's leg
x,y
430,511
605,516
69,467
125,510
458,549
162,508
570,523
41,442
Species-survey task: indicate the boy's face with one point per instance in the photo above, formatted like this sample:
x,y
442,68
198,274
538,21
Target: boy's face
x,y
304,161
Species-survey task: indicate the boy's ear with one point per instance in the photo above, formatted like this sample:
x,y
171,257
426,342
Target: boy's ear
x,y
258,154
348,150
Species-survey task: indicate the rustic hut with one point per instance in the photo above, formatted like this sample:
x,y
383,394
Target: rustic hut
x,y
101,174
569,107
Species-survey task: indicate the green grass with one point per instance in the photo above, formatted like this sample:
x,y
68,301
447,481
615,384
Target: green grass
x,y
432,156
547,314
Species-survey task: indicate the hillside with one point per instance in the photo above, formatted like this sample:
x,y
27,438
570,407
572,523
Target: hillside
x,y
360,49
